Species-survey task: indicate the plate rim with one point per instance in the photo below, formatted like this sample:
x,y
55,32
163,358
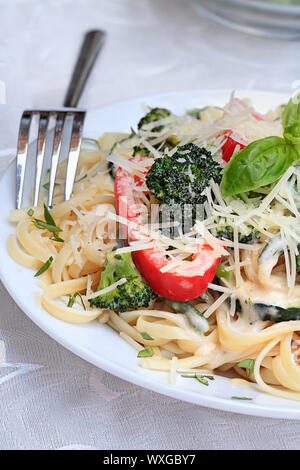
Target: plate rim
x,y
214,402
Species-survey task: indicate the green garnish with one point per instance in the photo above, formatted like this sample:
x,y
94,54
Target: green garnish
x,y
241,398
146,336
148,352
264,161
247,364
30,212
44,267
72,299
41,224
49,224
48,217
56,238
46,185
200,377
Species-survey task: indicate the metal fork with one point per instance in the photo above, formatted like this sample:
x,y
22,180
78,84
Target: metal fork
x,y
60,129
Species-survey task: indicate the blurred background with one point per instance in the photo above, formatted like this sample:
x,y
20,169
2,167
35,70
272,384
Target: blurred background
x,y
152,46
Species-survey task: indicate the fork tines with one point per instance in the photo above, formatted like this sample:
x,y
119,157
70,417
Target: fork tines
x,y
61,132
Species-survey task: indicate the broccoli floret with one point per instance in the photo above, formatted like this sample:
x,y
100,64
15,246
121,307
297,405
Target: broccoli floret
x,y
134,293
155,114
181,178
227,234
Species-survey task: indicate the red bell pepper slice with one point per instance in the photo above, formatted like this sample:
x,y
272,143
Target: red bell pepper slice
x,y
183,283
230,142
229,146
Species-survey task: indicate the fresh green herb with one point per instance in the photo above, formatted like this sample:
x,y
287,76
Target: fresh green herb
x,y
42,225
260,163
56,238
247,364
49,224
148,352
291,120
48,217
241,398
44,267
200,377
146,336
72,299
30,212
202,380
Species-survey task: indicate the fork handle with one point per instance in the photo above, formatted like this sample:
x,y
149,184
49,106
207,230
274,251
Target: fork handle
x,y
92,44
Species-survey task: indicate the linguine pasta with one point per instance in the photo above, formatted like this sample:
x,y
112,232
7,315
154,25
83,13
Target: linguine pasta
x,y
251,275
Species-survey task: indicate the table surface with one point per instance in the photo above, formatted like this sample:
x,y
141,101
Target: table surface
x,y
51,399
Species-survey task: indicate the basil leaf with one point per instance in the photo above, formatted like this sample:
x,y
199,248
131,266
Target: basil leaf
x,y
247,364
260,163
291,120
46,185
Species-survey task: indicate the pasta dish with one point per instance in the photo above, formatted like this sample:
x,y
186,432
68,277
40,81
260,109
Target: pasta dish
x,y
183,236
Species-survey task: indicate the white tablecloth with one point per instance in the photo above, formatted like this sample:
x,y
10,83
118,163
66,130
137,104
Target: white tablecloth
x,y
51,399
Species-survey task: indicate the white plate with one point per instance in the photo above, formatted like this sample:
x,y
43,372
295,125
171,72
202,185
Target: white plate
x,y
99,344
